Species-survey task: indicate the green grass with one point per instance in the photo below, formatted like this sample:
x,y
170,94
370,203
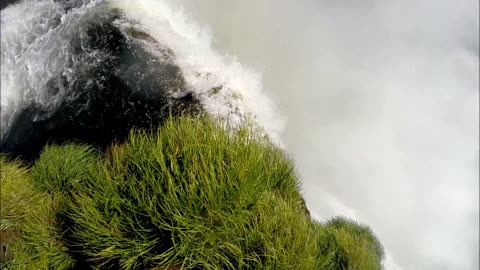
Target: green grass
x,y
191,184
18,194
60,168
195,194
16,201
31,215
361,245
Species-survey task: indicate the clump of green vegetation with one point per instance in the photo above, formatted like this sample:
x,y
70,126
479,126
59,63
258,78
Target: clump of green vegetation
x,y
61,167
40,243
31,239
330,254
18,194
16,200
194,194
193,185
361,245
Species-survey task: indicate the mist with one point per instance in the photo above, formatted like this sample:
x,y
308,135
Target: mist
x,y
381,101
377,102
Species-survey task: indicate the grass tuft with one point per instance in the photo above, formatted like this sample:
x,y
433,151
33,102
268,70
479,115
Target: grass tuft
x,y
194,194
29,216
60,167
187,195
362,247
18,193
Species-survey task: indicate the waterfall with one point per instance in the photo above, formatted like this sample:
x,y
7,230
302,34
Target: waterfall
x,y
376,101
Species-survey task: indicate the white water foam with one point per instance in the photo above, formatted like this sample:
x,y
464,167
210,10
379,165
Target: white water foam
x,y
205,68
392,134
35,50
382,101
225,87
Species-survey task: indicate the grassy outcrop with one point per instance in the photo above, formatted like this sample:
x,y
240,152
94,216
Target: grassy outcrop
x,y
361,246
195,194
31,235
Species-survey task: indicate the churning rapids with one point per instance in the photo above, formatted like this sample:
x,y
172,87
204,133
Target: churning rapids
x,y
82,70
397,155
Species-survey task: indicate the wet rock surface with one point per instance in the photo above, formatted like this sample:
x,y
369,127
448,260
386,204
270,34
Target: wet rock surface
x,y
68,4
124,79
6,3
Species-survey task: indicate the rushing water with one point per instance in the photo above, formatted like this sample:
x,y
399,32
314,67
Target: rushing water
x,y
377,101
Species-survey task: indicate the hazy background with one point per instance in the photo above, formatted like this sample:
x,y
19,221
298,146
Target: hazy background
x,y
381,98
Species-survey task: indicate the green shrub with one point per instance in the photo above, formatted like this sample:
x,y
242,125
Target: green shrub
x,y
60,167
330,254
18,194
194,194
362,247
181,196
40,245
31,215
281,235
17,200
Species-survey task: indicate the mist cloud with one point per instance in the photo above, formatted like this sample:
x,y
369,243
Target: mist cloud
x,y
382,106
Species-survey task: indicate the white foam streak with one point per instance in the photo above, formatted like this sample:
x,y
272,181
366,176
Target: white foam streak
x,y
382,100
238,96
35,50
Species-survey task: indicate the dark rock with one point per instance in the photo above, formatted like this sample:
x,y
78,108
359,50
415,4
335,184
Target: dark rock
x,y
6,3
118,84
